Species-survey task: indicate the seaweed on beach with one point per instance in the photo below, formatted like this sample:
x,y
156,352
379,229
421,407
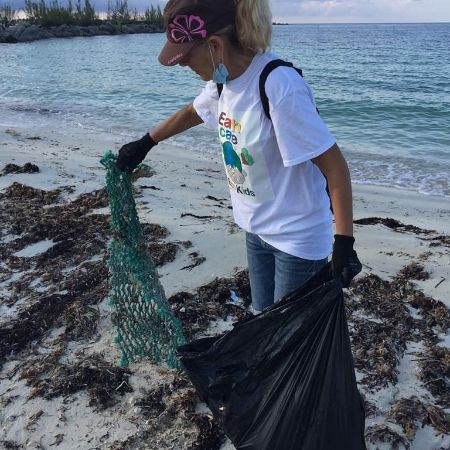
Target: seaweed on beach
x,y
168,419
380,335
434,371
438,419
50,378
81,320
102,381
410,413
32,323
34,418
210,436
370,408
382,299
66,224
14,168
162,253
393,224
90,200
385,434
218,290
34,368
27,195
44,311
142,171
10,445
378,345
434,312
196,259
441,240
377,350
388,300
154,231
198,432
413,271
210,302
152,404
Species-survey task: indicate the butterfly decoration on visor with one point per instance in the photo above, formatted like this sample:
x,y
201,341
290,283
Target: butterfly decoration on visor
x,y
184,28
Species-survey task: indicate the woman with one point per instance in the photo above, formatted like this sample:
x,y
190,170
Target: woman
x,y
278,167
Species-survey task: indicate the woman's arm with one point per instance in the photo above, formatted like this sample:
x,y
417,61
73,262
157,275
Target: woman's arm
x,y
344,261
181,121
132,154
334,167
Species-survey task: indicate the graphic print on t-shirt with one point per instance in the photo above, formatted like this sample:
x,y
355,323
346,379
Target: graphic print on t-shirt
x,y
245,163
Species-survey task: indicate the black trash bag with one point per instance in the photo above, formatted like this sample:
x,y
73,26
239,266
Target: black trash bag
x,y
284,379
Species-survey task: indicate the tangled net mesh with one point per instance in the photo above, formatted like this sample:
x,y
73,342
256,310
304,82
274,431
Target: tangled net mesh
x,y
145,324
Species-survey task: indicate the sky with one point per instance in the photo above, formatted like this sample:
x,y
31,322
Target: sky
x,y
324,11
345,11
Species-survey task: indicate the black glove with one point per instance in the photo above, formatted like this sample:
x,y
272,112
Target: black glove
x,y
344,261
133,153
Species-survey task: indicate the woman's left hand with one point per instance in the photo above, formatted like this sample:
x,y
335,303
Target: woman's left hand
x,y
344,261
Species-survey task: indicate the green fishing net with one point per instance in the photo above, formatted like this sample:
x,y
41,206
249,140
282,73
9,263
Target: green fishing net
x,y
145,324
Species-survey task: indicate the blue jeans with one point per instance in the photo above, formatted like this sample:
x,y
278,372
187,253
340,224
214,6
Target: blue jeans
x,y
274,273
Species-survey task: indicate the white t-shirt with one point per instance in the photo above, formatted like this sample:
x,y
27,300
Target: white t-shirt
x,y
276,191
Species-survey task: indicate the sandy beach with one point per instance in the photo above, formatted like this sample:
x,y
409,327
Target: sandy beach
x,y
60,386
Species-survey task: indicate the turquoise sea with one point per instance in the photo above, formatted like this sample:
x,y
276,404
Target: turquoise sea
x,y
383,90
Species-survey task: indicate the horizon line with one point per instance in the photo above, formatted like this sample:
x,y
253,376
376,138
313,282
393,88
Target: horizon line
x,y
359,23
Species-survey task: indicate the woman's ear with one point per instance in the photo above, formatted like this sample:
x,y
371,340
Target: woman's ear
x,y
217,44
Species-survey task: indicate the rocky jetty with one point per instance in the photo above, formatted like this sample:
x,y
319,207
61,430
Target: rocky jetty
x,y
32,32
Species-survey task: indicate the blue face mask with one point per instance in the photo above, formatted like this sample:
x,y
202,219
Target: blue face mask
x,y
220,74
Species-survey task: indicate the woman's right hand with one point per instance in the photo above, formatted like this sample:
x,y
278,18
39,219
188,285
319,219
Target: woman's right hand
x,y
133,153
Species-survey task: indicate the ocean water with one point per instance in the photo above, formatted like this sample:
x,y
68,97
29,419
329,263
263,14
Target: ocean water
x,y
383,90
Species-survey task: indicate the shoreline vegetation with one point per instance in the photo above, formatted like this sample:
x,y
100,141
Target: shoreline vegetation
x,y
42,20
53,20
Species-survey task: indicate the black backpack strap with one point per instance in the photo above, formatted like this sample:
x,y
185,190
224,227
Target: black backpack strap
x,y
219,88
265,100
263,77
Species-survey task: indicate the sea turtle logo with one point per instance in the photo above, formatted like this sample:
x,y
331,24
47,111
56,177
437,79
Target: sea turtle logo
x,y
234,163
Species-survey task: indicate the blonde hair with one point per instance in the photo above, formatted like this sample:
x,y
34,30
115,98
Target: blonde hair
x,y
254,24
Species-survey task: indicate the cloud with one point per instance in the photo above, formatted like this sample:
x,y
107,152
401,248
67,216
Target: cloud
x,y
361,10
